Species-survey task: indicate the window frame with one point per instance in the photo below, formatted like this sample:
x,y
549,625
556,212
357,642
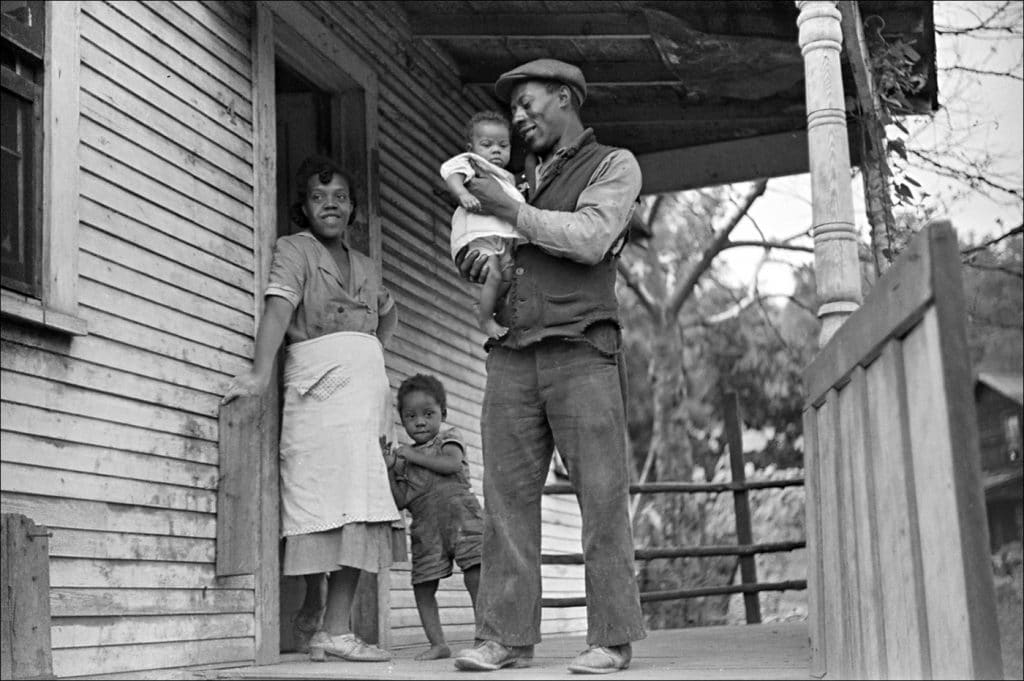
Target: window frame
x,y
56,307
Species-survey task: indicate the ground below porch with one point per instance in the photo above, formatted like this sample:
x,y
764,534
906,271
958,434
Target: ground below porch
x,y
758,651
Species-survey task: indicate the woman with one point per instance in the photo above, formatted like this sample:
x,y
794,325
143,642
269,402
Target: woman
x,y
326,303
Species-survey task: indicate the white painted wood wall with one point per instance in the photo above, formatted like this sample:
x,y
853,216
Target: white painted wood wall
x,y
111,440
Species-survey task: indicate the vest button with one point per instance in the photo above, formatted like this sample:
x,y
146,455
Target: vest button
x,y
519,270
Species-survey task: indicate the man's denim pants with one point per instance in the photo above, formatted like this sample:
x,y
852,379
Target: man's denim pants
x,y
569,395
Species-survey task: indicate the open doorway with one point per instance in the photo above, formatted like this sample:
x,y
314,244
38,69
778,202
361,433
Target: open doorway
x,y
318,115
320,97
303,128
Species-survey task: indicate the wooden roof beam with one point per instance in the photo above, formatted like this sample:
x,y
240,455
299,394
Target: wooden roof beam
x,y
640,114
596,73
741,160
723,163
533,25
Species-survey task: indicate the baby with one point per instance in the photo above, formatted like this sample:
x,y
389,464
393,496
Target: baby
x,y
431,478
487,143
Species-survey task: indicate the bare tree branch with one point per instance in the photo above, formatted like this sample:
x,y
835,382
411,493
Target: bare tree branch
x,y
741,303
1019,229
685,287
769,245
652,217
983,72
995,268
980,320
986,24
943,169
638,288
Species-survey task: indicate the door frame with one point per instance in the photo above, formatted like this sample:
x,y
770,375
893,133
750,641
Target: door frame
x,y
300,36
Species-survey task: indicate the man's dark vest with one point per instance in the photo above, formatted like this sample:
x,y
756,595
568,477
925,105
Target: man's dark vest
x,y
552,296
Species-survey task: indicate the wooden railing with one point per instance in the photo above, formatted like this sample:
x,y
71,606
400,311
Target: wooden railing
x,y
900,580
744,548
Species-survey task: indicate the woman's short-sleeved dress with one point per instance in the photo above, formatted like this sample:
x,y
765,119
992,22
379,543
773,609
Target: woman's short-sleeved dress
x,y
337,509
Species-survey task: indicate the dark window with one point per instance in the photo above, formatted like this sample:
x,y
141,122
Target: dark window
x,y
21,142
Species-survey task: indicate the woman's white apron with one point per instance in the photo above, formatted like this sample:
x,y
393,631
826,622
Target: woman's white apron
x,y
337,404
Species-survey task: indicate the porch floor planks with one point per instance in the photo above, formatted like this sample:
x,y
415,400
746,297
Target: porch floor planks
x,y
756,651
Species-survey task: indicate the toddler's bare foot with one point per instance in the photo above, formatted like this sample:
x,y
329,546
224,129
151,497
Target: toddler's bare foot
x,y
492,328
435,653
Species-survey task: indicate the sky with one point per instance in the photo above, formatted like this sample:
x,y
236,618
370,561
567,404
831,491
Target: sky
x,y
980,114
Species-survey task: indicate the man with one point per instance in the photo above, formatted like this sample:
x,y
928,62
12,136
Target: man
x,y
555,378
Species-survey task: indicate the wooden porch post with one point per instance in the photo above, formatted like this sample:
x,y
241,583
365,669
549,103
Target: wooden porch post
x,y
835,236
268,569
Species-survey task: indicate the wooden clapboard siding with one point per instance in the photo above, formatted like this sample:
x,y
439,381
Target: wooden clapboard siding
x,y
61,368
119,206
101,515
901,587
79,632
52,396
102,602
224,279
73,485
86,572
422,112
202,294
131,546
171,46
178,190
104,659
110,439
74,428
63,455
109,32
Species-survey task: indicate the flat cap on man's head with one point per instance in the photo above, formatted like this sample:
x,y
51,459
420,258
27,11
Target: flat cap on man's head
x,y
542,69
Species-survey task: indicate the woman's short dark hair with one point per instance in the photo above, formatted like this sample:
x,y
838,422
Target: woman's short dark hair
x,y
486,116
323,168
426,384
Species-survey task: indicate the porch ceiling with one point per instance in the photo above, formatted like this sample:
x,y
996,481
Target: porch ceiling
x,y
662,75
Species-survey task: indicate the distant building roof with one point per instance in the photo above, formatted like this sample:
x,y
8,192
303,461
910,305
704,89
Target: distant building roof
x,y
1008,383
993,480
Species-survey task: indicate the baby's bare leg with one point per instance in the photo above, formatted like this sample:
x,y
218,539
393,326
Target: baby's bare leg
x,y
490,291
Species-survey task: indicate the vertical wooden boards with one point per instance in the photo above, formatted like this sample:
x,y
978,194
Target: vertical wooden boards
x,y
872,645
25,594
831,530
902,605
906,584
951,316
958,649
267,586
238,491
850,434
815,576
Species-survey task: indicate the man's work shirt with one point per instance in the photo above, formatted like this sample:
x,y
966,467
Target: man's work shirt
x,y
602,211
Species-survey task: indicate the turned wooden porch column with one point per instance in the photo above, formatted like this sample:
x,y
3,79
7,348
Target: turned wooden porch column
x,y
835,237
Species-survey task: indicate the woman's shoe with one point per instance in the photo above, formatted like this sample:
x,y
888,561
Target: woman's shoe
x,y
317,646
347,647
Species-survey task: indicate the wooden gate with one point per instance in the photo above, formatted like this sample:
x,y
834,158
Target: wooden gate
x,y
900,580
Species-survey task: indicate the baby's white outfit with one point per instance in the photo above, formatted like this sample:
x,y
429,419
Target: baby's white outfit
x,y
486,233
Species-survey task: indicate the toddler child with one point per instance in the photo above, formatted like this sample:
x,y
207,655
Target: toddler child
x,y
431,479
487,143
